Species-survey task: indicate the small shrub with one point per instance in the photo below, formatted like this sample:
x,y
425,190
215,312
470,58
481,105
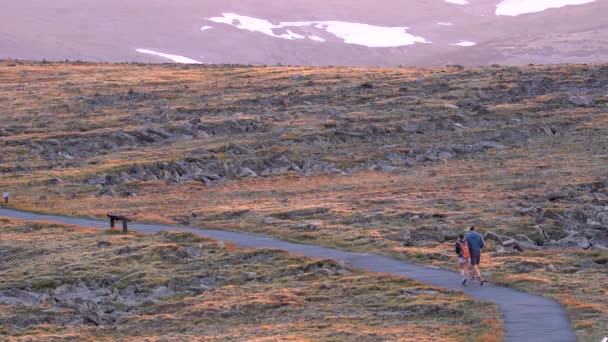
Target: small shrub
x,y
537,238
41,284
601,260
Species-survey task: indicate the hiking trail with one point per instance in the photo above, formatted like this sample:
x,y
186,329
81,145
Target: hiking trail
x,y
526,317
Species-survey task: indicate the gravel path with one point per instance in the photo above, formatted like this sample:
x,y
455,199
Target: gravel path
x,y
526,317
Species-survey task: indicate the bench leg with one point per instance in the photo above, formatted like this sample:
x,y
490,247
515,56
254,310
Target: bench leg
x,y
124,226
112,225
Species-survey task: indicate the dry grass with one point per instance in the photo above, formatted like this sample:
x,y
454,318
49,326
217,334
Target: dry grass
x,y
300,109
258,295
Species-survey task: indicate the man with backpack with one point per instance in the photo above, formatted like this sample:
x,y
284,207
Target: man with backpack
x,y
464,258
476,244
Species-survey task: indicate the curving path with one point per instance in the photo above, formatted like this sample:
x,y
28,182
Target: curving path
x,y
526,317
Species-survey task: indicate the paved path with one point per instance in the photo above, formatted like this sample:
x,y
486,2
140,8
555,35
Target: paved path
x,y
526,317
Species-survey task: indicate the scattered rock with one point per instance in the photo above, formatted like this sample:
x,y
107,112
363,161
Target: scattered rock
x,y
491,144
54,181
325,272
583,101
554,196
247,172
587,263
551,214
104,243
19,297
344,272
513,244
309,226
272,220
302,213
193,252
600,199
407,238
420,292
415,219
573,241
493,236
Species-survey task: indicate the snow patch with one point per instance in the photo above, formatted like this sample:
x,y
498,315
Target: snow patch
x,y
445,24
458,2
518,7
174,58
465,43
351,33
205,28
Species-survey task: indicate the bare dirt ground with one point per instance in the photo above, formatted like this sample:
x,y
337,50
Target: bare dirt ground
x,y
355,158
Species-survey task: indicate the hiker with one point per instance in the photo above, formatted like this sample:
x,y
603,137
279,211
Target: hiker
x,y
5,196
476,244
464,258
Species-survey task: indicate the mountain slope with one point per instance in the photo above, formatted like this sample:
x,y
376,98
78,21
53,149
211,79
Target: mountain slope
x,y
322,33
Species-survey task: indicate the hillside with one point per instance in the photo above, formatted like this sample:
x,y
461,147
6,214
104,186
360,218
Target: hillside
x,y
89,285
355,158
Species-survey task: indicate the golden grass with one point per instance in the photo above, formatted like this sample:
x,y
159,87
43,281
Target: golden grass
x,y
283,300
366,206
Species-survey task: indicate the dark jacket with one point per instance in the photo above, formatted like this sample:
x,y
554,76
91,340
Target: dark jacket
x,y
475,241
458,248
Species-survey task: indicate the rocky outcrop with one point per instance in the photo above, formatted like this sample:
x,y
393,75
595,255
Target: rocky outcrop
x,y
88,145
100,302
583,225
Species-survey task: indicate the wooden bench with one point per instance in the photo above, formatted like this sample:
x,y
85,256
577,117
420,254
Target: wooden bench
x,y
116,217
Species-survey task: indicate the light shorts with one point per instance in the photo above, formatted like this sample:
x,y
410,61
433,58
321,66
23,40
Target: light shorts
x,y
464,260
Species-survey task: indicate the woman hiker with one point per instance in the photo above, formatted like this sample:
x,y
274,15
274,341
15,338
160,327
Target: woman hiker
x,y
464,258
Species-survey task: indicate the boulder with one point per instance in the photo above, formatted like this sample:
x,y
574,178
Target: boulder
x,y
541,233
494,237
324,271
420,292
309,226
491,144
587,263
14,296
513,244
600,199
344,272
552,215
415,219
580,100
302,213
272,220
247,172
54,181
104,243
193,252
407,238
573,241
557,195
